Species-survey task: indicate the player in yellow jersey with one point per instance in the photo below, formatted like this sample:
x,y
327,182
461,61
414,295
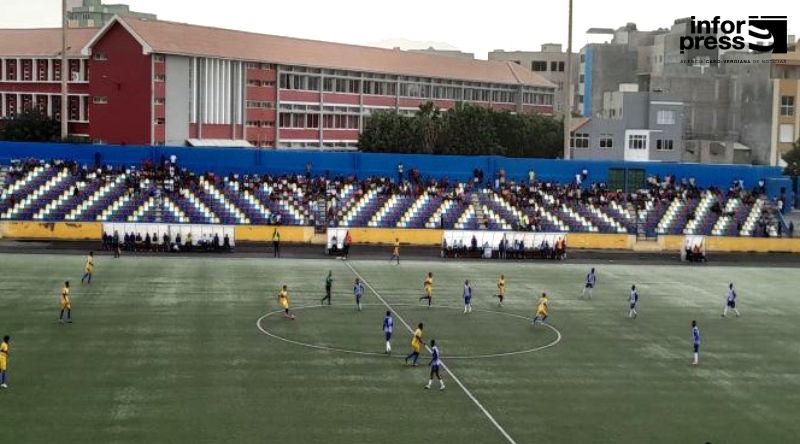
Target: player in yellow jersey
x,y
4,361
428,284
283,298
66,305
501,289
541,310
89,269
416,345
396,251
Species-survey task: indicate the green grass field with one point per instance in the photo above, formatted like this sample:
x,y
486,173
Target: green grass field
x,y
169,350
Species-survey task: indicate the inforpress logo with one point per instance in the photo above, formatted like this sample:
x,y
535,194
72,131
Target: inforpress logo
x,y
730,34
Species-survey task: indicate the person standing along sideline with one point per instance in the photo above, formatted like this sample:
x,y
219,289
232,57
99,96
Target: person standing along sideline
x,y
696,342
396,251
276,243
4,361
348,240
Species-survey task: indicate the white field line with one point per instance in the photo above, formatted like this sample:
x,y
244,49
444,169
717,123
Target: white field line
x,y
447,369
382,354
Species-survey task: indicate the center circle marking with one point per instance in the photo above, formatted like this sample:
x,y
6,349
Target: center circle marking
x,y
363,353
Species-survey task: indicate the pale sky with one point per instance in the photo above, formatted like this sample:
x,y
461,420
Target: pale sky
x,y
477,26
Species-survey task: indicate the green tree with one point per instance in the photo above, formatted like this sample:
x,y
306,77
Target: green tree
x,y
792,159
427,121
30,126
469,130
465,129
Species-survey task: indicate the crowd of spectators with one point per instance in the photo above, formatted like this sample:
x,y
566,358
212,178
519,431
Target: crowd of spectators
x,y
136,243
505,250
319,196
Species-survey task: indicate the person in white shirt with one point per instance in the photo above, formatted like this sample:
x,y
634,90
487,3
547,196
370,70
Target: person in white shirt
x,y
730,302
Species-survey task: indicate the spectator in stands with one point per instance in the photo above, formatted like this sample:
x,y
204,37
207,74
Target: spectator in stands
x,y
400,173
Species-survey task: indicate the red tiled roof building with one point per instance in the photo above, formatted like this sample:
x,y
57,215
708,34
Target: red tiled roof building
x,y
156,82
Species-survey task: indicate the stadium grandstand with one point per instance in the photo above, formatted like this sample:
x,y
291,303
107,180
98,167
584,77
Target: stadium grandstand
x,y
166,192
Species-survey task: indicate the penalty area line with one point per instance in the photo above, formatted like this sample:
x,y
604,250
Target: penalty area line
x,y
447,369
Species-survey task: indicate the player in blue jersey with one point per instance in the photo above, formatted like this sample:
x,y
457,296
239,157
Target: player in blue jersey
x,y
591,280
467,297
633,299
696,342
436,362
388,327
358,292
730,302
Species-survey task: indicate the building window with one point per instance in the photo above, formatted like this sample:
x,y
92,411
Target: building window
x,y
606,141
538,65
561,66
787,105
580,78
664,145
554,66
99,100
637,142
664,117
159,101
256,104
159,121
579,140
251,65
583,58
786,134
160,78
158,58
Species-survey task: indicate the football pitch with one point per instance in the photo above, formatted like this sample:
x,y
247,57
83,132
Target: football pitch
x,y
194,349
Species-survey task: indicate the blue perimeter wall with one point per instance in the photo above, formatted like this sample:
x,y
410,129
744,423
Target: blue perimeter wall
x,y
242,160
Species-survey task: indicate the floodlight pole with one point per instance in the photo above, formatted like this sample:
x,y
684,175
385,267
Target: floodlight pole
x,y
64,72
568,89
